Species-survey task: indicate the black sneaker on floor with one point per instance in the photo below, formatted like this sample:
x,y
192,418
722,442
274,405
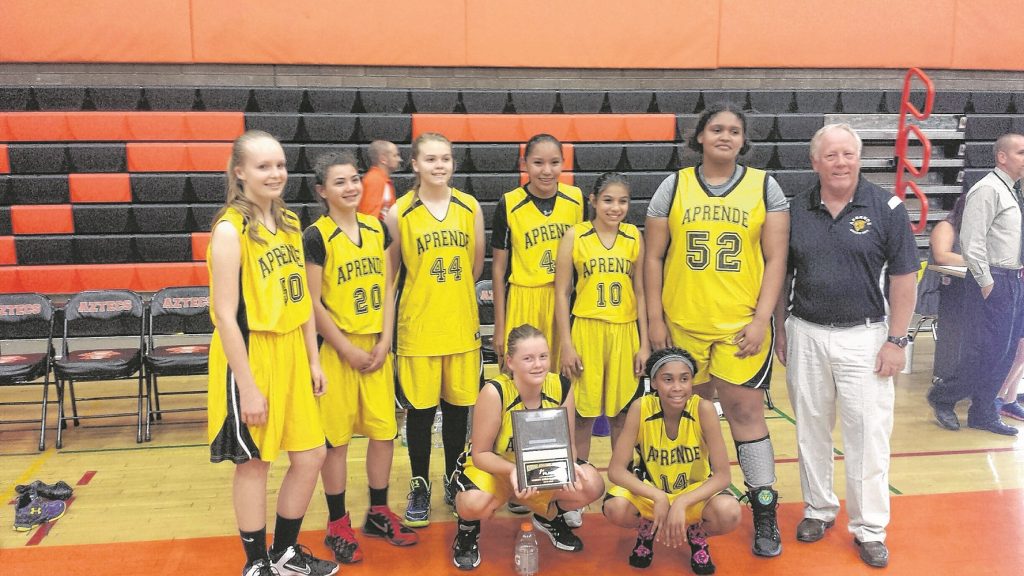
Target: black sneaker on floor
x,y
297,560
767,541
59,491
561,535
643,550
261,567
466,547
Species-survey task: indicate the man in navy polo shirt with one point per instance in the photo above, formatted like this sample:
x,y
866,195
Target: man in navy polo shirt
x,y
844,338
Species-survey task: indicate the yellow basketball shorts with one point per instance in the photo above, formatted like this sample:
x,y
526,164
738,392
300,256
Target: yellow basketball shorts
x,y
608,384
645,506
280,368
425,380
357,402
533,305
715,354
469,477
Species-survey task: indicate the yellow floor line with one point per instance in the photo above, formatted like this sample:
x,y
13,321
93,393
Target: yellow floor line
x,y
27,475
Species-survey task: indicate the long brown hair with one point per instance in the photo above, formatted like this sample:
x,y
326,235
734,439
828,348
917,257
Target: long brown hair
x,y
235,193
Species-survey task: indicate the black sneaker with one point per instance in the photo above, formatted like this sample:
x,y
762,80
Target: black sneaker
x,y
700,554
59,491
466,547
417,509
643,550
559,532
297,560
763,502
261,567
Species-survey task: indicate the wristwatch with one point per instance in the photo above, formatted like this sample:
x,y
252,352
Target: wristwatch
x,y
900,341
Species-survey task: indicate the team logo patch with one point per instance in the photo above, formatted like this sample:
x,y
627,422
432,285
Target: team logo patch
x,y
860,224
97,355
11,359
765,497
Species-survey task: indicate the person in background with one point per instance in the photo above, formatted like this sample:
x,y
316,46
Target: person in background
x,y
378,189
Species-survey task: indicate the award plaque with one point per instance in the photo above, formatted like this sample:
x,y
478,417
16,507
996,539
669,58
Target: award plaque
x,y
543,448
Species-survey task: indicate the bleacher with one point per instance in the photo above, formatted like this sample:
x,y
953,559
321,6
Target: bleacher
x,y
116,187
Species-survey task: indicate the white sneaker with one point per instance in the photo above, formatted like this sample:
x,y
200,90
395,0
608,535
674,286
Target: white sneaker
x,y
297,560
573,518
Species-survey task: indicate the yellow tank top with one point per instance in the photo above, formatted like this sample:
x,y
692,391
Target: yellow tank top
x,y
671,464
352,286
437,310
534,236
554,391
604,287
274,296
714,265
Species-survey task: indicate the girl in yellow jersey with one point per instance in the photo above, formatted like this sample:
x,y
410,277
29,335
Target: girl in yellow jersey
x,y
352,290
264,364
486,477
669,467
717,239
605,349
441,252
528,223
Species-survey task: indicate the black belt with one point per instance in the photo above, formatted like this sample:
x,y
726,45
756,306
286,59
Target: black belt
x,y
1007,272
851,323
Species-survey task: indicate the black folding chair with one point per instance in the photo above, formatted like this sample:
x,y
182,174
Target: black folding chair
x,y
175,311
24,319
89,316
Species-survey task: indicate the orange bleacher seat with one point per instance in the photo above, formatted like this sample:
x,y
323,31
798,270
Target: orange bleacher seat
x,y
97,126
34,127
42,219
178,156
174,126
200,240
100,188
120,126
5,162
8,256
567,127
68,279
564,178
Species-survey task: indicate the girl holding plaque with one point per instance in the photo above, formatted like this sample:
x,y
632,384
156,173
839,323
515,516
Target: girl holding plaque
x,y
677,492
486,477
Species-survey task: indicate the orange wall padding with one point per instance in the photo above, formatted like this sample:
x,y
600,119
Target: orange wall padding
x,y
659,34
42,219
100,188
7,254
71,278
200,241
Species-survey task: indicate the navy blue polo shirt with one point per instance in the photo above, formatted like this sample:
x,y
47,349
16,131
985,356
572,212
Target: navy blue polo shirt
x,y
840,264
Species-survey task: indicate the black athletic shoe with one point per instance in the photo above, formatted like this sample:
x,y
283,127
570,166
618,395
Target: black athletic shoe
x,y
764,501
700,554
297,560
58,491
261,567
559,532
466,547
643,550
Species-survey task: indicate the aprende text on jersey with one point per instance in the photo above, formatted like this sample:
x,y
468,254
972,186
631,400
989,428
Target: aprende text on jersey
x,y
677,455
544,233
607,265
441,239
280,256
364,266
716,213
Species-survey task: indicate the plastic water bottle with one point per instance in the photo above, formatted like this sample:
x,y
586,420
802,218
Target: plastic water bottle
x,y
527,553
436,439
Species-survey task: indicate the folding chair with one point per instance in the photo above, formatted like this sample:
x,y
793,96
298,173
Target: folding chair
x,y
88,316
177,311
25,318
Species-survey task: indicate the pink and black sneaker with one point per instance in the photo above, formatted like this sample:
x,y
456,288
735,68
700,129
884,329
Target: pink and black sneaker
x,y
643,550
700,555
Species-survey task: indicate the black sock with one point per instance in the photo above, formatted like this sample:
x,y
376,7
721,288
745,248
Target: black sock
x,y
379,496
286,533
255,544
454,423
336,506
417,429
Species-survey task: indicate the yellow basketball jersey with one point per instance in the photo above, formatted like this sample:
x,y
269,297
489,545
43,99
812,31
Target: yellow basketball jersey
x,y
274,296
437,310
352,287
553,393
671,464
714,264
604,287
534,236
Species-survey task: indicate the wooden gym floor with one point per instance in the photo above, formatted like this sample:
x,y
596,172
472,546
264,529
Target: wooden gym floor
x,y
162,508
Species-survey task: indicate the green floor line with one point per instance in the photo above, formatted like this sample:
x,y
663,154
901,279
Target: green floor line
x,y
784,415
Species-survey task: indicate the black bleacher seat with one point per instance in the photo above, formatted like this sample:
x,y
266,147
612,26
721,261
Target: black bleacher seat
x,y
67,98
207,187
484,101
870,101
43,249
5,221
172,98
395,128
978,155
310,153
38,159
987,127
114,98
581,101
15,98
972,175
163,247
154,218
990,102
759,155
487,187
1018,124
490,158
794,181
533,101
736,97
296,190
103,219
660,156
599,157
201,216
797,126
331,100
160,188
946,102
293,157
282,100
330,127
91,158
284,127
822,101
677,101
106,249
793,155
630,101
759,126
435,101
222,99
774,101
641,184
383,101
34,189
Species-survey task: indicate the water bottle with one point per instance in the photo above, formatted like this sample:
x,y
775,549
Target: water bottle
x,y
436,439
527,553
